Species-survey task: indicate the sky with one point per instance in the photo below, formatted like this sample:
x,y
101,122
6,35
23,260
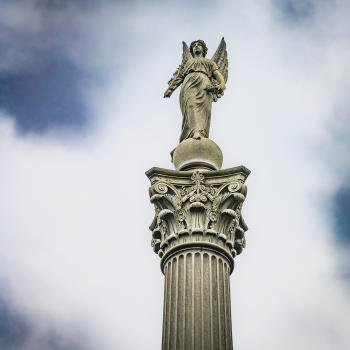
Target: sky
x,y
82,117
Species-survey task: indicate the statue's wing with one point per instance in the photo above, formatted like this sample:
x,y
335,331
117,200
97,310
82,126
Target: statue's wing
x,y
186,53
177,78
220,58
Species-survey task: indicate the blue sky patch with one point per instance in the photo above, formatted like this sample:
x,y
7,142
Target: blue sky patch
x,y
295,10
342,215
48,96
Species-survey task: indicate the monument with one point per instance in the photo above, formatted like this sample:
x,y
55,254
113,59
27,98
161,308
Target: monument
x,y
198,228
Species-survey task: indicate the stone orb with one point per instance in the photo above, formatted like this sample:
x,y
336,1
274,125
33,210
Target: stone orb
x,y
197,154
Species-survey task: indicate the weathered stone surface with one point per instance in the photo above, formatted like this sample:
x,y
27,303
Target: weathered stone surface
x,y
198,228
197,154
197,231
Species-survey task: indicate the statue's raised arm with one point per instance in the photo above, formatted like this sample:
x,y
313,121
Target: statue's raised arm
x,y
178,76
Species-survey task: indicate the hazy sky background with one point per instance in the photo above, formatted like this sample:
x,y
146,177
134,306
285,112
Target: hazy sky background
x,y
82,118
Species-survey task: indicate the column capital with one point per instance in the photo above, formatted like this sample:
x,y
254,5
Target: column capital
x,y
198,209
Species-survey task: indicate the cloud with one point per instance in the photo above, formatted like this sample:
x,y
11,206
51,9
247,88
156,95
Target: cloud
x,y
75,212
17,330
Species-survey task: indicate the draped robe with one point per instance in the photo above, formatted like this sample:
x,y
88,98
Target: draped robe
x,y
195,101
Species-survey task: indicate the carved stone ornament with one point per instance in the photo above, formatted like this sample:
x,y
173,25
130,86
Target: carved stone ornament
x,y
198,209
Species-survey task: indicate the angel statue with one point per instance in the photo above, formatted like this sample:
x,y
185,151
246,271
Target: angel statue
x,y
203,81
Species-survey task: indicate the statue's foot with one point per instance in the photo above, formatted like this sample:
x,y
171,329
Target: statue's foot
x,y
197,135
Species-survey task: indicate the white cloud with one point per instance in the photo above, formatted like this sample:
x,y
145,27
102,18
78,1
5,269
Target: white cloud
x,y
75,216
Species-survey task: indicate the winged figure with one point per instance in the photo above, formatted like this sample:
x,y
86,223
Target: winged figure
x,y
203,81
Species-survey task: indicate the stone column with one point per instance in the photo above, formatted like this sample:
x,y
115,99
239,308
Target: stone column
x,y
197,311
197,231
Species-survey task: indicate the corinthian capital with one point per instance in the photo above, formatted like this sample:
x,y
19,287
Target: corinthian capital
x,y
196,209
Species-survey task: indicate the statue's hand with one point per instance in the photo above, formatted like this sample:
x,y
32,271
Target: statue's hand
x,y
215,89
168,93
221,88
209,88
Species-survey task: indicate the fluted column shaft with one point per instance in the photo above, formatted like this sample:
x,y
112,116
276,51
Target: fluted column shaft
x,y
197,308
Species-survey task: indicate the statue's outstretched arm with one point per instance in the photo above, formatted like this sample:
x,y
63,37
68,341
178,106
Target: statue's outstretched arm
x,y
178,76
175,84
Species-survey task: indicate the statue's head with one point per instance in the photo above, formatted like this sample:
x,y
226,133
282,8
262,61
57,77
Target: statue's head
x,y
198,45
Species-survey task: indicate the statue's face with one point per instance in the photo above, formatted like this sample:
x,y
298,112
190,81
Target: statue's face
x,y
198,48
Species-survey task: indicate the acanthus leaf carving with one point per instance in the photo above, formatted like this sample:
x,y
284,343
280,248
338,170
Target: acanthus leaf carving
x,y
188,208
